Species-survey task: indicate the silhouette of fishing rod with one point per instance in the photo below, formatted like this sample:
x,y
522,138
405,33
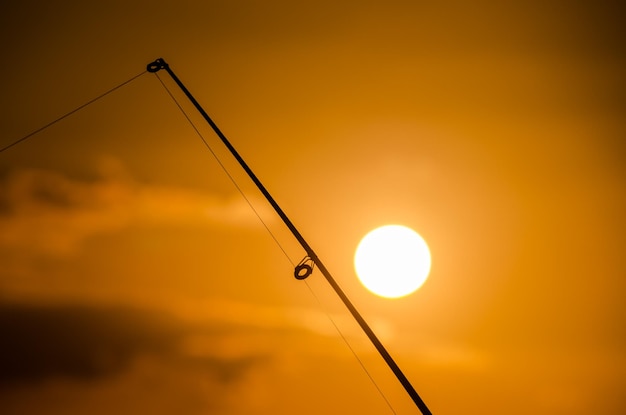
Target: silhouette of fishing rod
x,y
305,267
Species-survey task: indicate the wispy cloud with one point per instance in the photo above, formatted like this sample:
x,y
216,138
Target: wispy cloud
x,y
46,212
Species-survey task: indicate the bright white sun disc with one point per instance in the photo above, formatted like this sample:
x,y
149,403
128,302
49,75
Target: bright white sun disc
x,y
392,261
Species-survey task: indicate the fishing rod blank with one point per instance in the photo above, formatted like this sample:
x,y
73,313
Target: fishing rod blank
x,y
305,267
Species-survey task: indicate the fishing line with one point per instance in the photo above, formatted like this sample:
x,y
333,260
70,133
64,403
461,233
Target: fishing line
x,y
27,136
240,190
232,179
345,340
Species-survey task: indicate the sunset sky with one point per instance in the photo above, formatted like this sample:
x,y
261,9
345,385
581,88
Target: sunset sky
x,y
136,279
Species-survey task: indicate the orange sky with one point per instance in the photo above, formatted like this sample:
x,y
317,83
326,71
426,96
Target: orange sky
x,y
134,278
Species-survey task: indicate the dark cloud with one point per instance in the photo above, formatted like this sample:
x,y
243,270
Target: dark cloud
x,y
86,343
41,342
45,190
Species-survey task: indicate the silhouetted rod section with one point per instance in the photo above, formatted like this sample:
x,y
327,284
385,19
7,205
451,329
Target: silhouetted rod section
x,y
161,64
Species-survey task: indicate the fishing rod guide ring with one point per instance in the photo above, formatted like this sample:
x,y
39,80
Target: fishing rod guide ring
x,y
304,268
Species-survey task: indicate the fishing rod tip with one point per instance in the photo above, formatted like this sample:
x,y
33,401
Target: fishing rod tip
x,y
157,65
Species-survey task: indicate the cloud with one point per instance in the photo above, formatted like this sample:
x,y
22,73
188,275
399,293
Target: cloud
x,y
225,339
74,359
263,317
88,342
100,359
46,212
41,342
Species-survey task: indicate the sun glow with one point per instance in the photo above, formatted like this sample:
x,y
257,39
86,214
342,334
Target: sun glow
x,y
392,261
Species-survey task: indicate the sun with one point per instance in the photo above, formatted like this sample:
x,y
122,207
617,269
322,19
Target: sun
x,y
392,261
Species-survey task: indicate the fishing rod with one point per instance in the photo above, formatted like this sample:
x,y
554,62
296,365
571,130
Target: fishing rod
x,y
305,267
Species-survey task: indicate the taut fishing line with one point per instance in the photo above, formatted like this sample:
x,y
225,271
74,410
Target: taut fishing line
x,y
240,190
27,136
345,340
232,179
